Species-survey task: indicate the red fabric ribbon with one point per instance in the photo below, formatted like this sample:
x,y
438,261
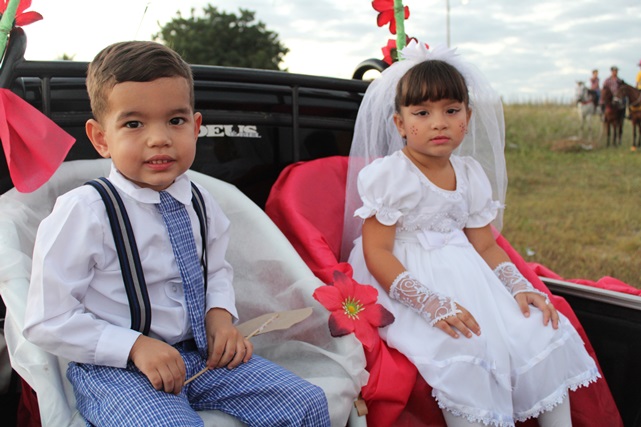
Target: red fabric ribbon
x,y
33,144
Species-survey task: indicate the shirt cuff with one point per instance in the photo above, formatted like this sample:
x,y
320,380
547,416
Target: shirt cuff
x,y
115,345
226,302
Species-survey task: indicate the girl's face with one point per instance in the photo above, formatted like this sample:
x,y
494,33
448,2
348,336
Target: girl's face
x,y
433,129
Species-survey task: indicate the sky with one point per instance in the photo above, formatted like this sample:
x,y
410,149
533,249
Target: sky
x,y
531,51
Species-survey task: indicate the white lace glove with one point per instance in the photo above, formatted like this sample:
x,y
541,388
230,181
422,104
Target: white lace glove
x,y
431,306
514,281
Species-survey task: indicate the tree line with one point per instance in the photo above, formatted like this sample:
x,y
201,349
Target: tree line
x,y
220,38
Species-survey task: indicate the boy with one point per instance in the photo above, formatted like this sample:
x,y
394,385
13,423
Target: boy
x,y
142,100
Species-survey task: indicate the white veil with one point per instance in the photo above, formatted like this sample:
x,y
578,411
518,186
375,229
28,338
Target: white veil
x,y
375,134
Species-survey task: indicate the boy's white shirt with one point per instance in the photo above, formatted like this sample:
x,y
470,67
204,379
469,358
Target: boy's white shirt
x,y
77,305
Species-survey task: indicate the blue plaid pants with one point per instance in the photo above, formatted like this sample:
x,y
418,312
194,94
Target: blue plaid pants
x,y
259,393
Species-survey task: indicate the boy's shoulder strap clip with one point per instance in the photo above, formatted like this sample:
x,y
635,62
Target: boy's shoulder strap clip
x,y
125,241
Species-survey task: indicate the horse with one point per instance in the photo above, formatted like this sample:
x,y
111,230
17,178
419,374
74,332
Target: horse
x,y
586,105
634,98
612,116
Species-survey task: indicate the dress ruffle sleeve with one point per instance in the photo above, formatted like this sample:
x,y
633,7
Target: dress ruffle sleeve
x,y
388,190
483,209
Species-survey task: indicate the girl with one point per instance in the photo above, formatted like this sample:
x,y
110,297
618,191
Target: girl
x,y
492,347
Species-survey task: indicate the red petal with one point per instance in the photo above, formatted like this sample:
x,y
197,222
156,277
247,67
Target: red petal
x,y
27,18
377,316
392,26
344,283
387,51
330,297
385,17
349,287
366,334
366,294
327,274
407,12
22,6
340,324
381,5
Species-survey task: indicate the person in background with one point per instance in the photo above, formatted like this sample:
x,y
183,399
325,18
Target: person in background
x,y
595,89
612,82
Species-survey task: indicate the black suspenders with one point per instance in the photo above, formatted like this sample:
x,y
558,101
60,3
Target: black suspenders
x,y
132,274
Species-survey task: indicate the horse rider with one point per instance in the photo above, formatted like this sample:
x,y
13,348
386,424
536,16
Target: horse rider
x,y
638,80
613,82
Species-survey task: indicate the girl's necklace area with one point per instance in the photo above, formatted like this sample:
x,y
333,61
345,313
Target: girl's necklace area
x,y
441,177
424,168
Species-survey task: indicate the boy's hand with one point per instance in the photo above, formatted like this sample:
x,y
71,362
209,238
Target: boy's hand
x,y
160,362
226,345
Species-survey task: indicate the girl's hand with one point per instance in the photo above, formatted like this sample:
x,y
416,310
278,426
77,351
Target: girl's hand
x,y
226,345
463,321
524,299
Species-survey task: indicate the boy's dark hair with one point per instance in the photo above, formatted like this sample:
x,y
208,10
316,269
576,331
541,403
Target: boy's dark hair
x,y
430,81
132,61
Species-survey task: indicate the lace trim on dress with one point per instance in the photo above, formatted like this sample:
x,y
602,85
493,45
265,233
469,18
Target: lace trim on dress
x,y
582,380
431,306
441,222
473,415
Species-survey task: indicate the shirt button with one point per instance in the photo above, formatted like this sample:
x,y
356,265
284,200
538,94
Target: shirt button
x,y
174,288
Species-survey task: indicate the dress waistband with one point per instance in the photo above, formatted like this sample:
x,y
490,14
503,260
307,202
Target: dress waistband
x,y
431,240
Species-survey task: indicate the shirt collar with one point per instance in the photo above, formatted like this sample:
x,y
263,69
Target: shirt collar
x,y
179,190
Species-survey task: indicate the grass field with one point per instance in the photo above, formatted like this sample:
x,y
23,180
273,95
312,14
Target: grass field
x,y
575,210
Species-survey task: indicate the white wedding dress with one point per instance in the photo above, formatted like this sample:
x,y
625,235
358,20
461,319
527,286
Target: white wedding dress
x,y
517,368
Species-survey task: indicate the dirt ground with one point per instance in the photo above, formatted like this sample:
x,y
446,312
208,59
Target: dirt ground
x,y
572,144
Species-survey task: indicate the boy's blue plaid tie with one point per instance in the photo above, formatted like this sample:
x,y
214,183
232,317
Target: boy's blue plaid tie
x,y
181,236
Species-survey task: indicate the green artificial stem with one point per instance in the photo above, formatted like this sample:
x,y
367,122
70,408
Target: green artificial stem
x,y
399,17
6,24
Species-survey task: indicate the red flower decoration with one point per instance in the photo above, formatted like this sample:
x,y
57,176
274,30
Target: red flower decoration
x,y
386,13
22,18
389,51
353,308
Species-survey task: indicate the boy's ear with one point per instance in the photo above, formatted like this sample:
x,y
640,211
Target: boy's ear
x,y
96,135
198,119
398,121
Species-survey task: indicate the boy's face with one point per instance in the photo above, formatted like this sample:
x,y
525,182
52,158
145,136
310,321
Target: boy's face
x,y
149,131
